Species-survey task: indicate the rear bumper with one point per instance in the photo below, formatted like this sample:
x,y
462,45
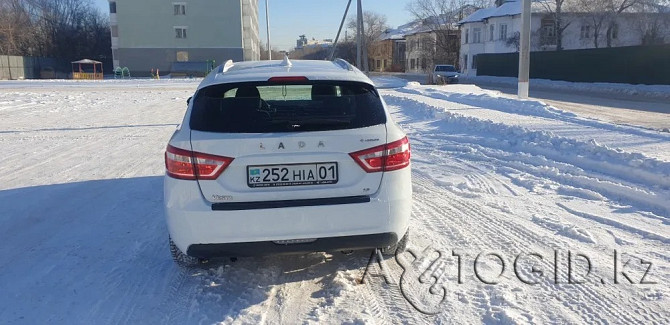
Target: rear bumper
x,y
328,244
198,227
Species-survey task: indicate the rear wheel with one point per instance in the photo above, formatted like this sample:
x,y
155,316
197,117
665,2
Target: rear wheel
x,y
182,259
398,247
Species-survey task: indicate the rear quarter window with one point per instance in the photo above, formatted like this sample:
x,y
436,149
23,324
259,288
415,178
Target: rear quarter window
x,y
270,107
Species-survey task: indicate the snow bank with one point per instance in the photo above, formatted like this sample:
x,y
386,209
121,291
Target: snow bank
x,y
570,158
655,91
475,96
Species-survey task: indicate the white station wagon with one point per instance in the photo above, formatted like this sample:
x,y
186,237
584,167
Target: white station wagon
x,y
286,157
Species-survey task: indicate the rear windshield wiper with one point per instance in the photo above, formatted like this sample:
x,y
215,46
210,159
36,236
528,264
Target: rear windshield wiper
x,y
313,124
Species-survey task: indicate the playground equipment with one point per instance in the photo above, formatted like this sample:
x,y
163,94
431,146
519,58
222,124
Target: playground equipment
x,y
80,71
155,75
121,73
211,64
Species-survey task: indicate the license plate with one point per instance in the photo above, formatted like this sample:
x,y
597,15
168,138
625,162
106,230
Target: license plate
x,y
292,175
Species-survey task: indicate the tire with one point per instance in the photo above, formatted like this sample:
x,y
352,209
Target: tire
x,y
182,259
398,247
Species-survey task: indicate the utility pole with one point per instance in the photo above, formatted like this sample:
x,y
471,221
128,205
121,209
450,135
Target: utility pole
x,y
361,44
267,24
364,40
359,13
524,51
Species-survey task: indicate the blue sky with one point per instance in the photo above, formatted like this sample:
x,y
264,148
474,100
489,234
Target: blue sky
x,y
314,18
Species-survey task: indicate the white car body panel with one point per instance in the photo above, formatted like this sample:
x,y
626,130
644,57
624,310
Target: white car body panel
x,y
296,148
189,204
191,220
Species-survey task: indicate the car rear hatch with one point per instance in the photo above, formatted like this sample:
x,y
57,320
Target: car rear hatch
x,y
287,139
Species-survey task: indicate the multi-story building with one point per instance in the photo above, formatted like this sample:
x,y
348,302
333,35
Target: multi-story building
x,y
424,51
154,34
496,30
418,46
388,52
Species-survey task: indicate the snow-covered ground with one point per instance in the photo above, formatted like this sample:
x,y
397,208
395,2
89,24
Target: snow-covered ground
x,y
84,240
655,91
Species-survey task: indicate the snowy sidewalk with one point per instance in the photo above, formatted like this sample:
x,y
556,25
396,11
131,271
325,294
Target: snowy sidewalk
x,y
615,89
627,160
471,101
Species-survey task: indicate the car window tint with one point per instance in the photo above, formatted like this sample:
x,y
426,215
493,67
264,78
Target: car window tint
x,y
265,107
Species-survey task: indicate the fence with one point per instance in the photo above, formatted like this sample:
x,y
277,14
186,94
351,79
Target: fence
x,y
631,64
24,67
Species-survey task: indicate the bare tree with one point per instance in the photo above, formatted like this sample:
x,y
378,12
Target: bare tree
x,y
374,24
514,40
15,27
439,19
614,9
654,24
556,9
597,13
276,55
604,14
445,11
54,28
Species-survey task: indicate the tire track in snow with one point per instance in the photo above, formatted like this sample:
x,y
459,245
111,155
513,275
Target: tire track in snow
x,y
438,141
559,173
387,301
477,237
180,294
457,199
515,239
447,154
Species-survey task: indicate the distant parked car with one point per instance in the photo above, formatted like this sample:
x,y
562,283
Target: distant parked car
x,y
444,74
279,157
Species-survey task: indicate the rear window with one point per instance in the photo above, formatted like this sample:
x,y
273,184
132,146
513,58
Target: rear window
x,y
271,107
447,68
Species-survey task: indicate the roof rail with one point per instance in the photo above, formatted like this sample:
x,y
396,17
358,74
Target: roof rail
x,y
344,64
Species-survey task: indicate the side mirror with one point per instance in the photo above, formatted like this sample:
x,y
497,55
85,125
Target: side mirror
x,y
188,101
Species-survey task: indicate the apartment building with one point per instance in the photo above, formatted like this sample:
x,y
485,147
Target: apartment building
x,y
154,34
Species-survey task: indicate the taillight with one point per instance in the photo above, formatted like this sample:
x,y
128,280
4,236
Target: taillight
x,y
184,164
387,157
